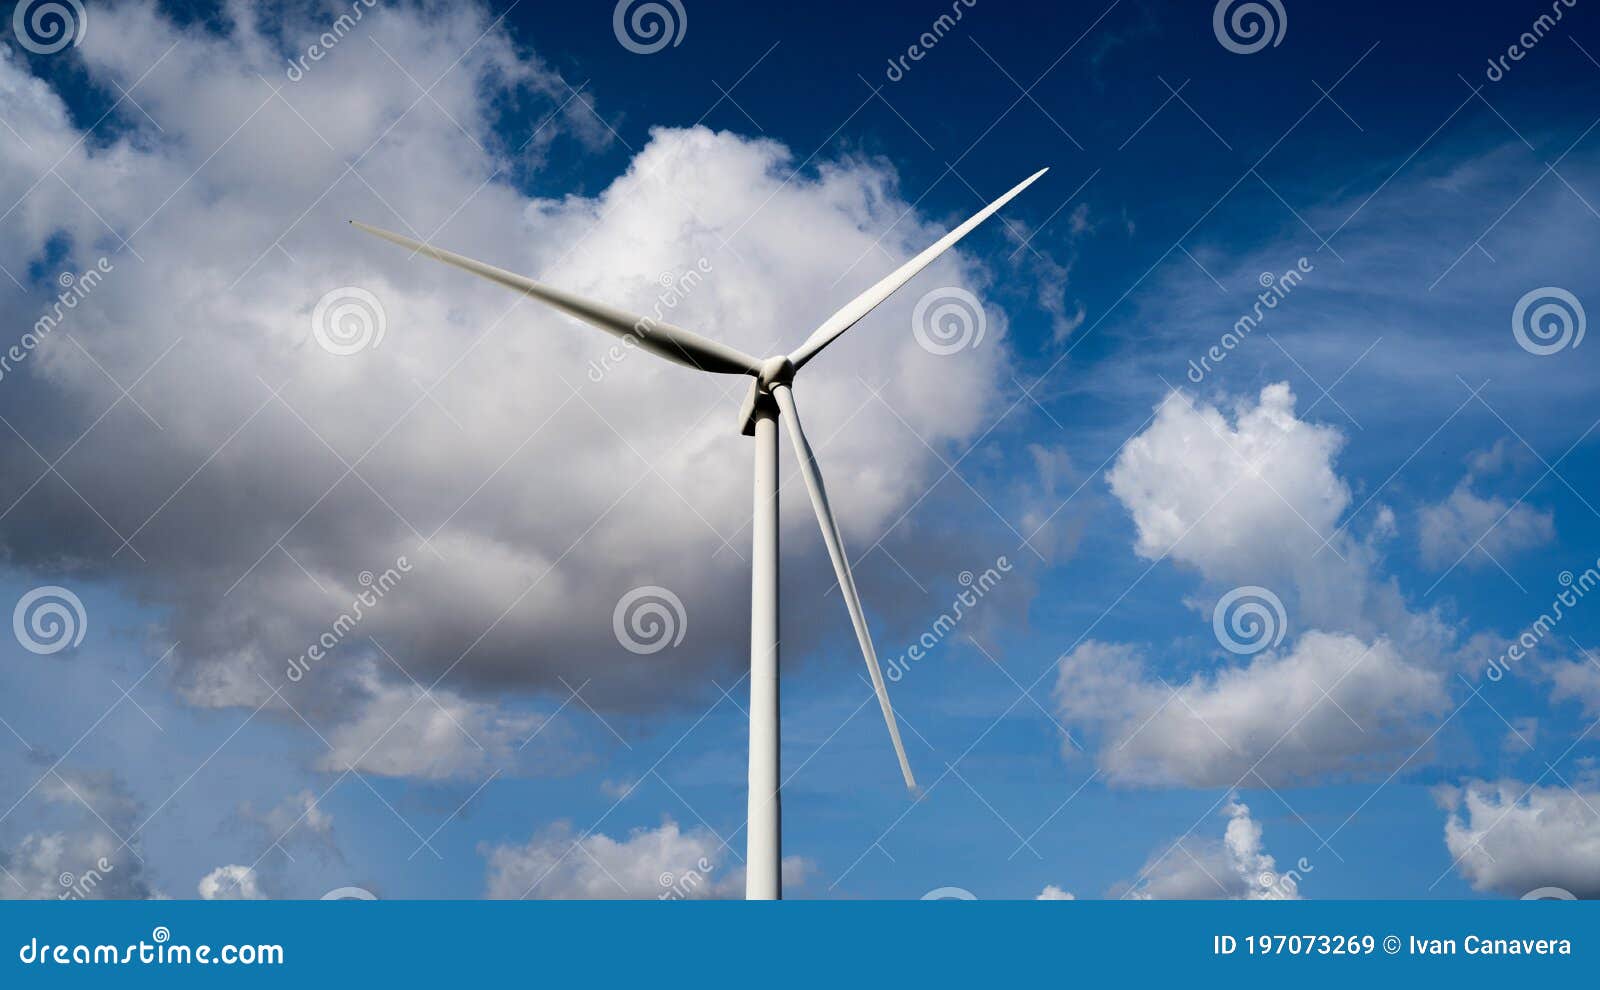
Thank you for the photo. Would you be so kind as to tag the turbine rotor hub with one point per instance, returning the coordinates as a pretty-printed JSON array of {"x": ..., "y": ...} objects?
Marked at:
[{"x": 776, "y": 371}]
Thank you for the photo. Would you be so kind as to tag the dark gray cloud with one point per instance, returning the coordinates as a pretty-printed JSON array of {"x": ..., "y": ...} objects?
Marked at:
[{"x": 512, "y": 478}]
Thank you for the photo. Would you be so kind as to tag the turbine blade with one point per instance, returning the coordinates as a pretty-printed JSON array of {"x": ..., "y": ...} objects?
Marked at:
[
  {"x": 841, "y": 566},
  {"x": 662, "y": 339},
  {"x": 865, "y": 303}
]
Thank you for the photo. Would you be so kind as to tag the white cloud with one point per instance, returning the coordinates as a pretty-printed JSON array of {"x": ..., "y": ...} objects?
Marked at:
[
  {"x": 1578, "y": 681},
  {"x": 1236, "y": 868},
  {"x": 1250, "y": 500},
  {"x": 474, "y": 424},
  {"x": 1240, "y": 501},
  {"x": 1053, "y": 893},
  {"x": 1499, "y": 456},
  {"x": 1268, "y": 716},
  {"x": 664, "y": 862},
  {"x": 230, "y": 883},
  {"x": 85, "y": 858},
  {"x": 1511, "y": 839},
  {"x": 296, "y": 812},
  {"x": 1253, "y": 500},
  {"x": 1464, "y": 524},
  {"x": 87, "y": 864},
  {"x": 404, "y": 731}
]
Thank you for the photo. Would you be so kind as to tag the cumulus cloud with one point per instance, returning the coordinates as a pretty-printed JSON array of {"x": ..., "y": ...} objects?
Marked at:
[
  {"x": 1330, "y": 704},
  {"x": 1345, "y": 679},
  {"x": 1237, "y": 868},
  {"x": 1233, "y": 500},
  {"x": 406, "y": 731},
  {"x": 665, "y": 862},
  {"x": 85, "y": 858},
  {"x": 230, "y": 883},
  {"x": 1511, "y": 838},
  {"x": 1471, "y": 529},
  {"x": 1053, "y": 893},
  {"x": 254, "y": 475},
  {"x": 297, "y": 811},
  {"x": 286, "y": 846},
  {"x": 1577, "y": 681},
  {"x": 86, "y": 864},
  {"x": 1255, "y": 499}
]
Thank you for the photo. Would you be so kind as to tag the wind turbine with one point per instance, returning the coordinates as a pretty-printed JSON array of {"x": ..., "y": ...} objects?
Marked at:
[{"x": 769, "y": 398}]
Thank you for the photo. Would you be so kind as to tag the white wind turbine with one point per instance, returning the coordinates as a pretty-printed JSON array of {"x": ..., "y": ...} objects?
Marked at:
[{"x": 768, "y": 398}]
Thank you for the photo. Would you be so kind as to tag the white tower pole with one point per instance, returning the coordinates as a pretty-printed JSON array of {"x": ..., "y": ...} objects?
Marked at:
[
  {"x": 759, "y": 418},
  {"x": 764, "y": 842}
]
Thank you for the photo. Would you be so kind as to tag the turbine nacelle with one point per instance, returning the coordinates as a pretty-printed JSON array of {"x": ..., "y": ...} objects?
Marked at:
[
  {"x": 774, "y": 371},
  {"x": 777, "y": 370}
]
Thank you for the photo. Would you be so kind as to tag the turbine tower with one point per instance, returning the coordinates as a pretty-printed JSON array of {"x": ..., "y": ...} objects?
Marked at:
[{"x": 769, "y": 399}]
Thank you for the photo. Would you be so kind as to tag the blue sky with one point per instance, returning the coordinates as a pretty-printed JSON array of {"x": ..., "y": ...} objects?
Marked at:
[{"x": 1377, "y": 453}]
